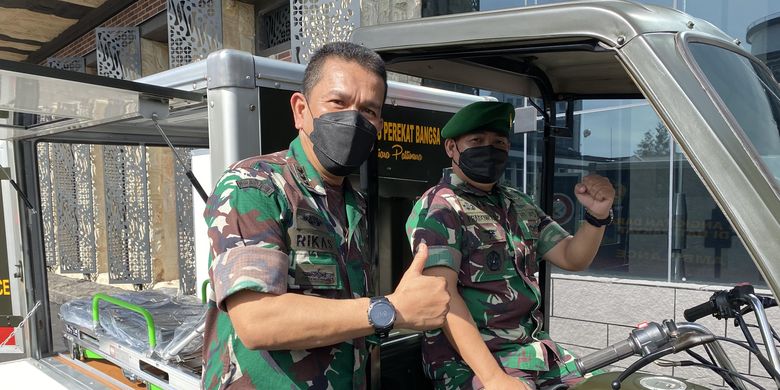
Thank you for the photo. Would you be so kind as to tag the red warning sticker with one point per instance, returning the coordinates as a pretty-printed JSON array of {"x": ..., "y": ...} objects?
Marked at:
[{"x": 5, "y": 331}]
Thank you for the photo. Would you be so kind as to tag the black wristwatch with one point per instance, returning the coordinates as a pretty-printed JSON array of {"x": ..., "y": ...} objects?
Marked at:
[
  {"x": 599, "y": 222},
  {"x": 381, "y": 315}
]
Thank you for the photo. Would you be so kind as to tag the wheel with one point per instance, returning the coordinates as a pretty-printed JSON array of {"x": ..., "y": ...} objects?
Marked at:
[{"x": 75, "y": 350}]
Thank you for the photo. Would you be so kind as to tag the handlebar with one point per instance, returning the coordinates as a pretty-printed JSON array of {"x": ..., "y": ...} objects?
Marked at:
[
  {"x": 606, "y": 356},
  {"x": 644, "y": 339},
  {"x": 700, "y": 311},
  {"x": 651, "y": 340},
  {"x": 726, "y": 304}
]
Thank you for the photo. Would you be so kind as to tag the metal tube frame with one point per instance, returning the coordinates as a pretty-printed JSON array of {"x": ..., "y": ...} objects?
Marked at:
[
  {"x": 178, "y": 347},
  {"x": 717, "y": 350},
  {"x": 34, "y": 265},
  {"x": 766, "y": 332}
]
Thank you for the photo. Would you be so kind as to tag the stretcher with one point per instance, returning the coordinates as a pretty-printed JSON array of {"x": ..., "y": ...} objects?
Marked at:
[{"x": 152, "y": 336}]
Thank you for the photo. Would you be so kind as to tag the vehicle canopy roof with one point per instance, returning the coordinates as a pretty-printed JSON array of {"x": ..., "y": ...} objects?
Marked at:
[{"x": 489, "y": 49}]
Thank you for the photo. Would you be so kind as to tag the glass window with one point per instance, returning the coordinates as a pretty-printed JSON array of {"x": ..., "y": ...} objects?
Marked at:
[
  {"x": 733, "y": 17},
  {"x": 447, "y": 7},
  {"x": 705, "y": 249},
  {"x": 631, "y": 148},
  {"x": 750, "y": 94},
  {"x": 489, "y": 5},
  {"x": 667, "y": 227}
]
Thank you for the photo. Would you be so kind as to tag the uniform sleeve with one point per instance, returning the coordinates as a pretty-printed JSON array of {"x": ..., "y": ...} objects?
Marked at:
[
  {"x": 437, "y": 225},
  {"x": 248, "y": 245},
  {"x": 550, "y": 234}
]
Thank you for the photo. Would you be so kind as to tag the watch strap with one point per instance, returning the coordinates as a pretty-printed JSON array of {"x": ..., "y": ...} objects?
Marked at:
[{"x": 599, "y": 222}]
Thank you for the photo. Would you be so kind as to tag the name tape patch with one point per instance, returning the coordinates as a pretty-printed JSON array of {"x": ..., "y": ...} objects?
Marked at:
[{"x": 316, "y": 275}]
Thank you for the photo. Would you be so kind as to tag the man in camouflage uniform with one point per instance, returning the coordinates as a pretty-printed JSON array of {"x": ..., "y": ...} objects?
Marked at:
[
  {"x": 487, "y": 240},
  {"x": 288, "y": 264}
]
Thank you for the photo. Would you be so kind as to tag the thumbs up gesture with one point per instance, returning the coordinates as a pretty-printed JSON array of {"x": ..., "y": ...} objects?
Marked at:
[{"x": 421, "y": 302}]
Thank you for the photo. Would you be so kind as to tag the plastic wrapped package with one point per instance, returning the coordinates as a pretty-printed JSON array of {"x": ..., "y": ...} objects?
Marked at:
[
  {"x": 182, "y": 333},
  {"x": 174, "y": 318}
]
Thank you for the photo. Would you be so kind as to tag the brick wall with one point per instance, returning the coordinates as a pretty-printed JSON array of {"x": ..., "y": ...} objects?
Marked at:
[
  {"x": 135, "y": 14},
  {"x": 283, "y": 56}
]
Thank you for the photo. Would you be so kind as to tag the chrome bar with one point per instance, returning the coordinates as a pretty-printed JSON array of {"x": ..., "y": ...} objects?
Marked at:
[
  {"x": 717, "y": 350},
  {"x": 175, "y": 349},
  {"x": 766, "y": 333}
]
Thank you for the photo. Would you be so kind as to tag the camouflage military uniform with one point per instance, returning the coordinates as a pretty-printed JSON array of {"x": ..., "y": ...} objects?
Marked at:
[
  {"x": 494, "y": 242},
  {"x": 274, "y": 229}
]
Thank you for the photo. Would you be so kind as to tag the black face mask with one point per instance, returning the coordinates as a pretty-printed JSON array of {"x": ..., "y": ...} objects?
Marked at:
[
  {"x": 342, "y": 141},
  {"x": 483, "y": 164}
]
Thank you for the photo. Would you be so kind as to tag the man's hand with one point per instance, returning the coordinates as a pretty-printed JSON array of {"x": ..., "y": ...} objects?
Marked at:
[
  {"x": 596, "y": 194},
  {"x": 504, "y": 381},
  {"x": 421, "y": 302}
]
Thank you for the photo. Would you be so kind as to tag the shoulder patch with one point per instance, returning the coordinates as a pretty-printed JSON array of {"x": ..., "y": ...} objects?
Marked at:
[{"x": 266, "y": 186}]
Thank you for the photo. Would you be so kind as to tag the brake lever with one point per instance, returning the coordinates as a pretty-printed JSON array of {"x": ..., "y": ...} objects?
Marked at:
[{"x": 767, "y": 302}]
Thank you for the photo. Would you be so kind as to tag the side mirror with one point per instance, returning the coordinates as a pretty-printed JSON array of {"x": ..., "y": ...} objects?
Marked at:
[{"x": 525, "y": 120}]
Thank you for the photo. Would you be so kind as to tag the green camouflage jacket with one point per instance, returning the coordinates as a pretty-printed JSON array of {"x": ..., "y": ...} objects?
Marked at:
[
  {"x": 271, "y": 231},
  {"x": 494, "y": 241}
]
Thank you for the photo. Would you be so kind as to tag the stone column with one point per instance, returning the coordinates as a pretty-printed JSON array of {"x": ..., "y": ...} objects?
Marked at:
[
  {"x": 238, "y": 26},
  {"x": 154, "y": 57},
  {"x": 373, "y": 12},
  {"x": 162, "y": 206}
]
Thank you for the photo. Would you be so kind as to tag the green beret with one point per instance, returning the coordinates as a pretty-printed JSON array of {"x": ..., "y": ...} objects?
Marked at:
[{"x": 495, "y": 116}]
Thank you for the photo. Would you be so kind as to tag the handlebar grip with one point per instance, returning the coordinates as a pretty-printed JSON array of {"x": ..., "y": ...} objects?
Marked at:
[
  {"x": 700, "y": 311},
  {"x": 604, "y": 357}
]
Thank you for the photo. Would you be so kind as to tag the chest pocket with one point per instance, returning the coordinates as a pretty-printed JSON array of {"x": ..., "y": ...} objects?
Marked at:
[
  {"x": 314, "y": 251},
  {"x": 527, "y": 219},
  {"x": 485, "y": 245},
  {"x": 527, "y": 239}
]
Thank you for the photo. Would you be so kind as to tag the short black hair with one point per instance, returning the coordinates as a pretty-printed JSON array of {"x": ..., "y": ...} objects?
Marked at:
[{"x": 347, "y": 51}]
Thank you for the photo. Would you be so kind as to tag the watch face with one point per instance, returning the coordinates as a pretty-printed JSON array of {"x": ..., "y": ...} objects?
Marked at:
[{"x": 382, "y": 315}]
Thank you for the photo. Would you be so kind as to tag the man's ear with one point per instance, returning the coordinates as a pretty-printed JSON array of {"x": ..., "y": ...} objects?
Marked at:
[
  {"x": 299, "y": 107},
  {"x": 449, "y": 147}
]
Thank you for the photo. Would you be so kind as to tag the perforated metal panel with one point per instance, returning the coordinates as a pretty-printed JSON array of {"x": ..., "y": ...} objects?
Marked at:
[
  {"x": 64, "y": 190},
  {"x": 118, "y": 52},
  {"x": 277, "y": 25},
  {"x": 74, "y": 64},
  {"x": 84, "y": 164},
  {"x": 127, "y": 214},
  {"x": 67, "y": 204},
  {"x": 47, "y": 216},
  {"x": 317, "y": 22},
  {"x": 194, "y": 30},
  {"x": 186, "y": 234}
]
